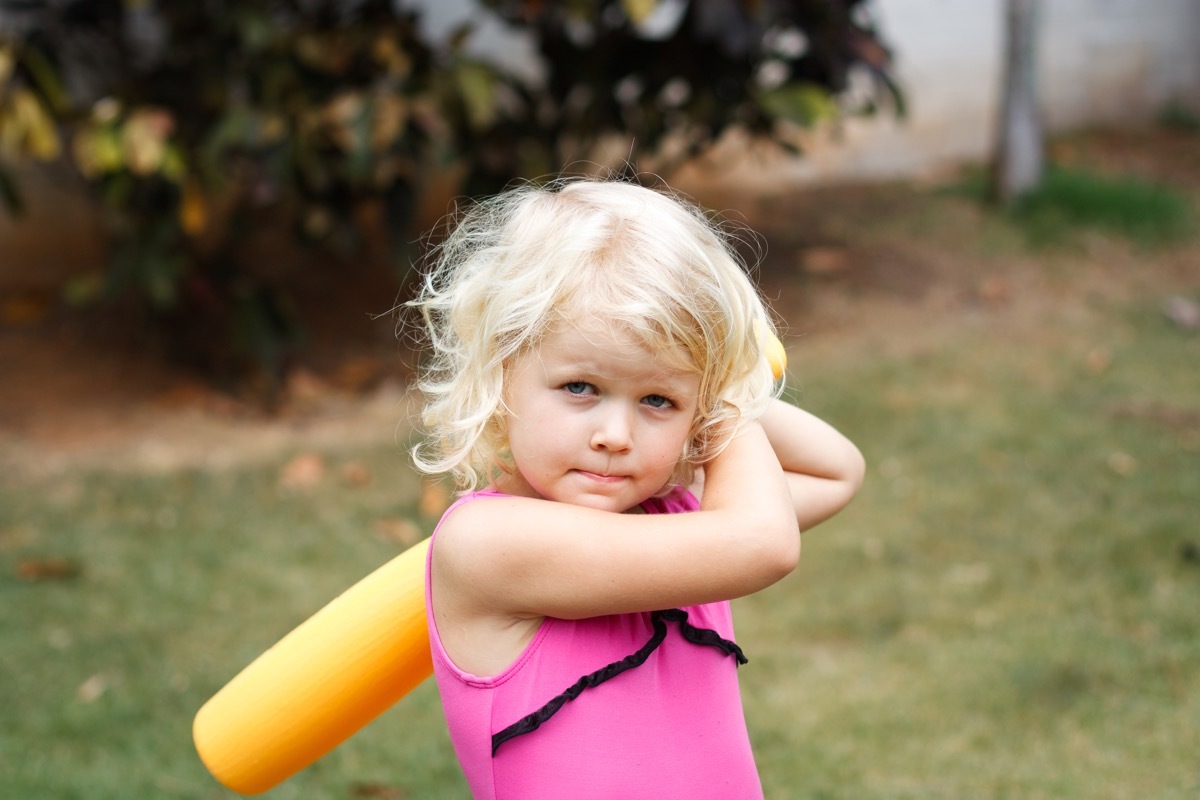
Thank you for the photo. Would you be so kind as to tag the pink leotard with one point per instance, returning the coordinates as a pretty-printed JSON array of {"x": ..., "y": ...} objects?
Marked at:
[{"x": 622, "y": 706}]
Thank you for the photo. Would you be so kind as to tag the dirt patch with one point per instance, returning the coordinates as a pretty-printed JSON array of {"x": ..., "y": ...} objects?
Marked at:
[{"x": 849, "y": 269}]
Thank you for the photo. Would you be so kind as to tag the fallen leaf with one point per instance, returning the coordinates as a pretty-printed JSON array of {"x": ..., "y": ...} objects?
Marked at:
[
  {"x": 190, "y": 395},
  {"x": 995, "y": 290},
  {"x": 398, "y": 529},
  {"x": 23, "y": 310},
  {"x": 873, "y": 548},
  {"x": 1183, "y": 312},
  {"x": 378, "y": 791},
  {"x": 183, "y": 394},
  {"x": 435, "y": 499},
  {"x": 93, "y": 688},
  {"x": 969, "y": 574},
  {"x": 356, "y": 474},
  {"x": 1098, "y": 360},
  {"x": 1180, "y": 419},
  {"x": 1123, "y": 464},
  {"x": 303, "y": 472},
  {"x": 359, "y": 375},
  {"x": 824, "y": 260},
  {"x": 48, "y": 569},
  {"x": 306, "y": 387}
]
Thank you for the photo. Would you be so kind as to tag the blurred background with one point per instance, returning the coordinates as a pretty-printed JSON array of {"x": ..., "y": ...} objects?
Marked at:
[{"x": 977, "y": 226}]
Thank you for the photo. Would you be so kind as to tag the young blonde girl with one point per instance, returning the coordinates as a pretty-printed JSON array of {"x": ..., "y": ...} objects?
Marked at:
[{"x": 598, "y": 388}]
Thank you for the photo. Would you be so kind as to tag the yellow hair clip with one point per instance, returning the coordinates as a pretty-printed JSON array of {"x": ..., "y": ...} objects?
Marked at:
[{"x": 772, "y": 348}]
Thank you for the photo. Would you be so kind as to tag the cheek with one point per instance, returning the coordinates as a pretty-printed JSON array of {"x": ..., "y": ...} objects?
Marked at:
[
  {"x": 671, "y": 447},
  {"x": 534, "y": 446}
]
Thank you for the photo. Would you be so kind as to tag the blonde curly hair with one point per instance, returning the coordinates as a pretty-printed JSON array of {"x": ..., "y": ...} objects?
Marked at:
[{"x": 642, "y": 260}]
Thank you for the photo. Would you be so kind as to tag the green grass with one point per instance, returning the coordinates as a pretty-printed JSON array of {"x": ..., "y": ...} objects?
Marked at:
[
  {"x": 1071, "y": 202},
  {"x": 1010, "y": 607},
  {"x": 184, "y": 580},
  {"x": 1147, "y": 213},
  {"x": 1008, "y": 610},
  {"x": 1180, "y": 117}
]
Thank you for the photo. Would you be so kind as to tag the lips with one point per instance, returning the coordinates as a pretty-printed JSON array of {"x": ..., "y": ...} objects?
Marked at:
[{"x": 599, "y": 477}]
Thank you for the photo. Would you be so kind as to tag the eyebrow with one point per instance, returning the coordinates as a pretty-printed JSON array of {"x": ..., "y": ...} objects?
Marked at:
[{"x": 570, "y": 361}]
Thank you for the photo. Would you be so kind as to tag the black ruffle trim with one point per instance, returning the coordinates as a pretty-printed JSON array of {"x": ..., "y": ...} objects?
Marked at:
[{"x": 659, "y": 619}]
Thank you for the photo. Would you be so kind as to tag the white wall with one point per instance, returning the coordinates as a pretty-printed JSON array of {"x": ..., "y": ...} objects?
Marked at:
[
  {"x": 1101, "y": 62},
  {"x": 1119, "y": 60}
]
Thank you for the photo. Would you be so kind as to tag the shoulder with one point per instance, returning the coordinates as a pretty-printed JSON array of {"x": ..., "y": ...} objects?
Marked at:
[
  {"x": 488, "y": 540},
  {"x": 469, "y": 523},
  {"x": 467, "y": 587}
]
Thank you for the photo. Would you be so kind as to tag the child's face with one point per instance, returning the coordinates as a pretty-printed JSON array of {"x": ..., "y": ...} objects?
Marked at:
[{"x": 595, "y": 418}]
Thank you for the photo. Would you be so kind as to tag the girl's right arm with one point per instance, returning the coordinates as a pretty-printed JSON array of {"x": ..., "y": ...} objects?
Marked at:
[{"x": 521, "y": 558}]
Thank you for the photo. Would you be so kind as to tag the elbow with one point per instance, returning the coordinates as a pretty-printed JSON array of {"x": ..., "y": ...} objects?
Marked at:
[
  {"x": 860, "y": 470},
  {"x": 780, "y": 552},
  {"x": 854, "y": 472},
  {"x": 852, "y": 479},
  {"x": 785, "y": 560},
  {"x": 781, "y": 563}
]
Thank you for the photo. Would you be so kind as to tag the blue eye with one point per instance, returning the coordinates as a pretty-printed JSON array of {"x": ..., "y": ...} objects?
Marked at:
[
  {"x": 577, "y": 387},
  {"x": 657, "y": 401}
]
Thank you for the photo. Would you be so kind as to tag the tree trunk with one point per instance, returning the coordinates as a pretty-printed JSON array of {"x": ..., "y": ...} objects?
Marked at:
[{"x": 1020, "y": 158}]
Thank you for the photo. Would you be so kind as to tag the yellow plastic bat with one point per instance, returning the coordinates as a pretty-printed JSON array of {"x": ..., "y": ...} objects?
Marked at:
[{"x": 325, "y": 680}]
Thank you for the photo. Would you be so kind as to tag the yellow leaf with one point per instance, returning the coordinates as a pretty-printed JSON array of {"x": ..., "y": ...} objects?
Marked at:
[
  {"x": 144, "y": 139},
  {"x": 804, "y": 104},
  {"x": 106, "y": 110},
  {"x": 341, "y": 117},
  {"x": 10, "y": 133},
  {"x": 37, "y": 134},
  {"x": 7, "y": 62},
  {"x": 97, "y": 151},
  {"x": 389, "y": 115},
  {"x": 273, "y": 128},
  {"x": 173, "y": 167},
  {"x": 639, "y": 10},
  {"x": 83, "y": 289},
  {"x": 193, "y": 210},
  {"x": 477, "y": 85},
  {"x": 388, "y": 53}
]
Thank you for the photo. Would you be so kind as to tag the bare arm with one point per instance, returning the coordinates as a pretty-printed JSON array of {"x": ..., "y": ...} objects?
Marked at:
[
  {"x": 823, "y": 468},
  {"x": 519, "y": 557}
]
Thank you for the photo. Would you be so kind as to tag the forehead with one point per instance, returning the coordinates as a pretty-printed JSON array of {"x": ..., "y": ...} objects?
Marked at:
[{"x": 593, "y": 348}]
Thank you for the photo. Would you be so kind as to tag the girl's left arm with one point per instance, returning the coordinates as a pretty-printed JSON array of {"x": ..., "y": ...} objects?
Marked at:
[{"x": 823, "y": 468}]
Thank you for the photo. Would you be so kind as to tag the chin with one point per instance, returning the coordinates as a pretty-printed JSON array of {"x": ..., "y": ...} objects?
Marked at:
[{"x": 610, "y": 504}]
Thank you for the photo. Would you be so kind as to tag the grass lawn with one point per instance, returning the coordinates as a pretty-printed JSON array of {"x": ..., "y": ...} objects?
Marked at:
[{"x": 1010, "y": 609}]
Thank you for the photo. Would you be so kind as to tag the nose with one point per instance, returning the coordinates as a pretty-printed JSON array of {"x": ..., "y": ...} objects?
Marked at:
[{"x": 613, "y": 431}]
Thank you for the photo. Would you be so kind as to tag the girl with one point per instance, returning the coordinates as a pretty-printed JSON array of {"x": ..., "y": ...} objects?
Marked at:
[{"x": 599, "y": 391}]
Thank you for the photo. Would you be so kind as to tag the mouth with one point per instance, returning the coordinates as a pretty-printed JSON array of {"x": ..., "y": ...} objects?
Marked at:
[{"x": 600, "y": 477}]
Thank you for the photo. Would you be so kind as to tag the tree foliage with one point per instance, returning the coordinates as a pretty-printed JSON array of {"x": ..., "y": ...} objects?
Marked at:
[{"x": 198, "y": 125}]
